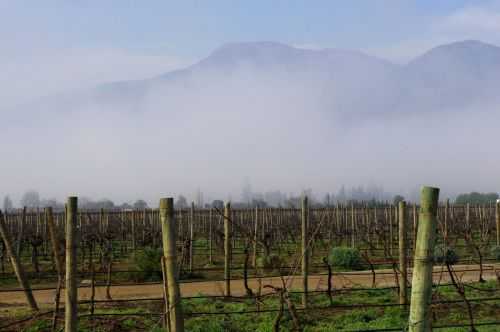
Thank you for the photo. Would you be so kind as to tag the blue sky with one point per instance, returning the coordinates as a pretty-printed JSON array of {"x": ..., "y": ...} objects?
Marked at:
[
  {"x": 194, "y": 28},
  {"x": 113, "y": 40}
]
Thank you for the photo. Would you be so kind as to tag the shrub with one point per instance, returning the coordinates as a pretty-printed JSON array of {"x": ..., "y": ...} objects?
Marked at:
[
  {"x": 271, "y": 261},
  {"x": 444, "y": 255},
  {"x": 495, "y": 252},
  {"x": 148, "y": 264},
  {"x": 344, "y": 257}
]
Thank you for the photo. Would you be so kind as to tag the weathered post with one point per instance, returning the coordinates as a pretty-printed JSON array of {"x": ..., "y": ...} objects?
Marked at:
[
  {"x": 227, "y": 249},
  {"x": 16, "y": 264},
  {"x": 135, "y": 219},
  {"x": 305, "y": 251},
  {"x": 467, "y": 216},
  {"x": 415, "y": 226},
  {"x": 446, "y": 216},
  {"x": 403, "y": 254},
  {"x": 497, "y": 217},
  {"x": 169, "y": 253},
  {"x": 255, "y": 237},
  {"x": 191, "y": 238},
  {"x": 210, "y": 236},
  {"x": 391, "y": 226},
  {"x": 353, "y": 223},
  {"x": 421, "y": 292},
  {"x": 71, "y": 293}
]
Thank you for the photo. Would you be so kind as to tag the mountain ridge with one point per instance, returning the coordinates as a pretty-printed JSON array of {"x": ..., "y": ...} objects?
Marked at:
[{"x": 453, "y": 75}]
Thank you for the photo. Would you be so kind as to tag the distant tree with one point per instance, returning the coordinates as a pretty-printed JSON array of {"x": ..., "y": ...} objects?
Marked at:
[
  {"x": 476, "y": 198},
  {"x": 199, "y": 198},
  {"x": 181, "y": 202},
  {"x": 341, "y": 195},
  {"x": 7, "y": 204},
  {"x": 274, "y": 198},
  {"x": 293, "y": 202},
  {"x": 258, "y": 203},
  {"x": 218, "y": 204},
  {"x": 327, "y": 200},
  {"x": 105, "y": 204},
  {"x": 31, "y": 199},
  {"x": 397, "y": 199},
  {"x": 246, "y": 192},
  {"x": 53, "y": 203},
  {"x": 126, "y": 206},
  {"x": 140, "y": 204}
]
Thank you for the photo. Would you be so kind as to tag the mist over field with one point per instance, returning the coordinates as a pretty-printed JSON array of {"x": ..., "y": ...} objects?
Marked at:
[{"x": 278, "y": 117}]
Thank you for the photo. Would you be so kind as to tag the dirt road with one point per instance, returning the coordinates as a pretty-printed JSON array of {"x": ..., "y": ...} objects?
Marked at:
[{"x": 384, "y": 278}]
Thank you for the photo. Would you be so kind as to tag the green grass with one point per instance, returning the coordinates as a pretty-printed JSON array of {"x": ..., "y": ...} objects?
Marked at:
[{"x": 319, "y": 318}]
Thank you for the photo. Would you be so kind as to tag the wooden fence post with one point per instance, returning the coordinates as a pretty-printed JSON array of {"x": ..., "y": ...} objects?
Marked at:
[
  {"x": 135, "y": 219},
  {"x": 16, "y": 264},
  {"x": 353, "y": 223},
  {"x": 421, "y": 292},
  {"x": 497, "y": 217},
  {"x": 391, "y": 226},
  {"x": 305, "y": 251},
  {"x": 169, "y": 237},
  {"x": 210, "y": 227},
  {"x": 467, "y": 216},
  {"x": 71, "y": 293},
  {"x": 227, "y": 249},
  {"x": 191, "y": 238},
  {"x": 403, "y": 254},
  {"x": 255, "y": 237},
  {"x": 446, "y": 217}
]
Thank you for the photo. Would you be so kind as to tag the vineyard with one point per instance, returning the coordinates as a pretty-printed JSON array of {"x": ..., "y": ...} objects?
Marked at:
[{"x": 345, "y": 267}]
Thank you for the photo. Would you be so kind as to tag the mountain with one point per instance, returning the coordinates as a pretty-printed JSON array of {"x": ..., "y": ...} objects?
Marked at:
[
  {"x": 338, "y": 82},
  {"x": 456, "y": 75}
]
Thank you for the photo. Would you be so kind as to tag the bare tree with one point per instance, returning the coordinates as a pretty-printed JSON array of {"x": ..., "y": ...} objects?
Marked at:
[
  {"x": 31, "y": 199},
  {"x": 7, "y": 204}
]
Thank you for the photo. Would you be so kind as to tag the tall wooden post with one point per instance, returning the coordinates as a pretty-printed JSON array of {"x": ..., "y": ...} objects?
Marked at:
[
  {"x": 415, "y": 226},
  {"x": 71, "y": 292},
  {"x": 467, "y": 216},
  {"x": 421, "y": 292},
  {"x": 191, "y": 238},
  {"x": 305, "y": 251},
  {"x": 353, "y": 223},
  {"x": 446, "y": 217},
  {"x": 497, "y": 217},
  {"x": 227, "y": 249},
  {"x": 168, "y": 227},
  {"x": 135, "y": 219},
  {"x": 391, "y": 226},
  {"x": 403, "y": 254},
  {"x": 16, "y": 264},
  {"x": 255, "y": 237},
  {"x": 210, "y": 226}
]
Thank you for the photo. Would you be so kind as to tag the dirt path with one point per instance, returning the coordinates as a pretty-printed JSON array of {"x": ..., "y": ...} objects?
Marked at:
[{"x": 384, "y": 278}]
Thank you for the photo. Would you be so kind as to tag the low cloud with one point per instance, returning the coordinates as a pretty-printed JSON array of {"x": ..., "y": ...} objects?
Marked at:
[{"x": 37, "y": 73}]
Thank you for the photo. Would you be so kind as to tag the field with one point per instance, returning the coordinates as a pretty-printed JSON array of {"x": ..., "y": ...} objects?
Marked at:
[{"x": 335, "y": 268}]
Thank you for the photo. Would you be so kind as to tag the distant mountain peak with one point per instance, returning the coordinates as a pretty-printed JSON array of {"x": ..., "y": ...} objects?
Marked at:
[
  {"x": 255, "y": 52},
  {"x": 466, "y": 50}
]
